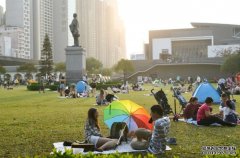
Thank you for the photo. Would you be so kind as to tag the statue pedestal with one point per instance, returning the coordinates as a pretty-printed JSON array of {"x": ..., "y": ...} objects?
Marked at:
[{"x": 75, "y": 64}]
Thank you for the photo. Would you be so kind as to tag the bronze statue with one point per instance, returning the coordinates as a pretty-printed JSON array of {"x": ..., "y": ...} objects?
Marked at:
[{"x": 74, "y": 30}]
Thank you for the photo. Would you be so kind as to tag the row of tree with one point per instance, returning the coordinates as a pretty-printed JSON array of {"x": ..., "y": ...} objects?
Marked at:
[
  {"x": 232, "y": 63},
  {"x": 93, "y": 66}
]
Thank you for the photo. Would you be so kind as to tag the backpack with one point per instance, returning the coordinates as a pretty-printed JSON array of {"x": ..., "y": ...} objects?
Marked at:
[
  {"x": 109, "y": 98},
  {"x": 116, "y": 129},
  {"x": 231, "y": 118}
]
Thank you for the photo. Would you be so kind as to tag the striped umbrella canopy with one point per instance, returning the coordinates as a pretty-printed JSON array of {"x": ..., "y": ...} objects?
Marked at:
[{"x": 134, "y": 115}]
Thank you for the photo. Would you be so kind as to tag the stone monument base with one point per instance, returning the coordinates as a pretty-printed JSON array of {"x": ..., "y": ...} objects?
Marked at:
[{"x": 75, "y": 64}]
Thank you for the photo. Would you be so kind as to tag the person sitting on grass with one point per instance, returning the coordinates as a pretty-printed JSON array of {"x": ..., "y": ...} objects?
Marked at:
[
  {"x": 155, "y": 141},
  {"x": 229, "y": 114},
  {"x": 101, "y": 98},
  {"x": 190, "y": 88},
  {"x": 205, "y": 117},
  {"x": 73, "y": 92},
  {"x": 190, "y": 112},
  {"x": 225, "y": 98},
  {"x": 93, "y": 135},
  {"x": 67, "y": 91}
]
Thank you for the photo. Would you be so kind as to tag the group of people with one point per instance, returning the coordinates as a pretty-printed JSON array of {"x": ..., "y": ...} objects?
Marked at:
[
  {"x": 6, "y": 84},
  {"x": 227, "y": 115},
  {"x": 154, "y": 141},
  {"x": 69, "y": 91},
  {"x": 230, "y": 85},
  {"x": 137, "y": 87}
]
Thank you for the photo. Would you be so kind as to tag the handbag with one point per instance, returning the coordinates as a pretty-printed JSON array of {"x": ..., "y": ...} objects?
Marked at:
[{"x": 86, "y": 146}]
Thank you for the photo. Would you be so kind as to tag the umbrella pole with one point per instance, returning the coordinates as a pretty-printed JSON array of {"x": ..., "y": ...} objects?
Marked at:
[
  {"x": 121, "y": 135},
  {"x": 110, "y": 109}
]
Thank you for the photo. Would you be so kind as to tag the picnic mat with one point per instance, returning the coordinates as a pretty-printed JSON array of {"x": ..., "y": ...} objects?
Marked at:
[
  {"x": 194, "y": 122},
  {"x": 123, "y": 148}
]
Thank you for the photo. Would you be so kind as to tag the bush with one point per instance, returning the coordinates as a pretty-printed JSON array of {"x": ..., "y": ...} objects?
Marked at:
[
  {"x": 53, "y": 87},
  {"x": 114, "y": 82},
  {"x": 69, "y": 154},
  {"x": 33, "y": 87},
  {"x": 108, "y": 84}
]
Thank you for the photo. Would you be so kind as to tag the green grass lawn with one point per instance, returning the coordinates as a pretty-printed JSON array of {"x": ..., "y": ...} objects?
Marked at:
[{"x": 31, "y": 122}]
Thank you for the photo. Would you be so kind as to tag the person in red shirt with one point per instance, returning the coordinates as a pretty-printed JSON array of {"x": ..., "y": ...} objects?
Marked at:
[
  {"x": 191, "y": 109},
  {"x": 205, "y": 117}
]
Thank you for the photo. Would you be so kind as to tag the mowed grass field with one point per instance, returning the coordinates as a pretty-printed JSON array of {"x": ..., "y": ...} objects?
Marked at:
[{"x": 31, "y": 122}]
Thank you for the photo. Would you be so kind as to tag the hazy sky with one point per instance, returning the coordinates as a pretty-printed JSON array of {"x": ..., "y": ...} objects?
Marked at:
[
  {"x": 143, "y": 15},
  {"x": 2, "y": 3}
]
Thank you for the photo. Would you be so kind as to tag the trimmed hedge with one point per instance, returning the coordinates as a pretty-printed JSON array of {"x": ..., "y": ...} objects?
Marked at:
[
  {"x": 53, "y": 87},
  {"x": 35, "y": 87},
  {"x": 108, "y": 84},
  {"x": 69, "y": 154}
]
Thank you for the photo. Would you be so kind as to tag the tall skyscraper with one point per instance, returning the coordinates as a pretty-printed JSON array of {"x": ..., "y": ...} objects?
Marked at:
[
  {"x": 18, "y": 16},
  {"x": 1, "y": 16},
  {"x": 9, "y": 41},
  {"x": 33, "y": 19},
  {"x": 86, "y": 10},
  {"x": 116, "y": 33},
  {"x": 101, "y": 30},
  {"x": 60, "y": 31},
  {"x": 42, "y": 24},
  {"x": 50, "y": 17}
]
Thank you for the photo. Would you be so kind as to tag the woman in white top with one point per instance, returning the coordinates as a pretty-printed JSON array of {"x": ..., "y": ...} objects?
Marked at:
[{"x": 229, "y": 114}]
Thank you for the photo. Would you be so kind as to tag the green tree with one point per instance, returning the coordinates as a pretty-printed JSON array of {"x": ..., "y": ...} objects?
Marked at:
[
  {"x": 46, "y": 61},
  {"x": 232, "y": 63},
  {"x": 93, "y": 65},
  {"x": 2, "y": 70},
  {"x": 60, "y": 67},
  {"x": 124, "y": 66},
  {"x": 28, "y": 68},
  {"x": 106, "y": 72}
]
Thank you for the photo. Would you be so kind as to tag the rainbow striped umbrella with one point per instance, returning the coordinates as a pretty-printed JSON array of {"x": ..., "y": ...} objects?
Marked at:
[{"x": 127, "y": 111}]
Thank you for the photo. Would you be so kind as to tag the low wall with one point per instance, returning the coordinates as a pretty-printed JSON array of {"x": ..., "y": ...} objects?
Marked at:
[{"x": 209, "y": 71}]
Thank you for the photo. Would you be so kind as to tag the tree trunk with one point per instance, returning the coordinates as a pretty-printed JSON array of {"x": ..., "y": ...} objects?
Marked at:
[{"x": 124, "y": 78}]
